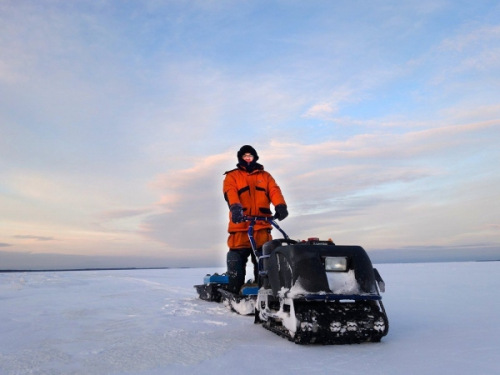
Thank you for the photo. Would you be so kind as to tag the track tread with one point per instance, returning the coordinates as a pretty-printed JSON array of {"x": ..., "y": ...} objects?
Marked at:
[{"x": 355, "y": 323}]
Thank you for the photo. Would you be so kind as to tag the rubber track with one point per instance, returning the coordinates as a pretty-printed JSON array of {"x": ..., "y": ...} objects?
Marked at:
[{"x": 316, "y": 318}]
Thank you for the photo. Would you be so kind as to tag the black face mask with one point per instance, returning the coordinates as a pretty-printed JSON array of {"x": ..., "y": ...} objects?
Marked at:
[{"x": 250, "y": 167}]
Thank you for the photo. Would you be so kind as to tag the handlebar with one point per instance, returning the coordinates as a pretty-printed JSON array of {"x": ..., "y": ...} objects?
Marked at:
[
  {"x": 253, "y": 220},
  {"x": 259, "y": 218}
]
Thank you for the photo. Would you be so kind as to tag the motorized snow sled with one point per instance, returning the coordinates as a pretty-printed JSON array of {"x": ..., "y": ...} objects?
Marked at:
[{"x": 311, "y": 291}]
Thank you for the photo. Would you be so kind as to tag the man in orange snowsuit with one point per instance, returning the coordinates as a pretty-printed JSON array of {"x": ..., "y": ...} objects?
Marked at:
[{"x": 249, "y": 191}]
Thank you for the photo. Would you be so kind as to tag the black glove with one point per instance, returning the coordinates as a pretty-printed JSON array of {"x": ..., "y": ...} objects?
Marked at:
[
  {"x": 281, "y": 212},
  {"x": 236, "y": 213}
]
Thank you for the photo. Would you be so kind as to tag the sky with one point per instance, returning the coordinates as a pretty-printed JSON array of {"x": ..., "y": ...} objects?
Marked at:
[{"x": 380, "y": 121}]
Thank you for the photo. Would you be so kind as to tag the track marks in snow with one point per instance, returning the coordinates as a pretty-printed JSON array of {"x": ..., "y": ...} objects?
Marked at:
[
  {"x": 190, "y": 306},
  {"x": 196, "y": 311}
]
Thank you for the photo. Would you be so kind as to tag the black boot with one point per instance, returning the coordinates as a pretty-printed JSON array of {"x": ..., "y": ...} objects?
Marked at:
[{"x": 236, "y": 265}]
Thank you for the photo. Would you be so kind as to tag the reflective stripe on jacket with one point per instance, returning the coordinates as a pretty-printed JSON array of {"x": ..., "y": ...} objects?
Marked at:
[{"x": 255, "y": 191}]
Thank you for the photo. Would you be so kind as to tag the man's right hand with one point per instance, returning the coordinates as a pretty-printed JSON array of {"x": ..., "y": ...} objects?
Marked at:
[{"x": 236, "y": 213}]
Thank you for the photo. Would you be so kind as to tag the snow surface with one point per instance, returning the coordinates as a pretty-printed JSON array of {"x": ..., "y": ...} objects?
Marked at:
[{"x": 443, "y": 320}]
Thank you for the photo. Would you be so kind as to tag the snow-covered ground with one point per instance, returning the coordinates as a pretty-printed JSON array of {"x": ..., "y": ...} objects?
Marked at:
[{"x": 443, "y": 320}]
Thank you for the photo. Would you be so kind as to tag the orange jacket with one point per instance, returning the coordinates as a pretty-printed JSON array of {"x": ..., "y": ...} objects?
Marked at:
[{"x": 255, "y": 191}]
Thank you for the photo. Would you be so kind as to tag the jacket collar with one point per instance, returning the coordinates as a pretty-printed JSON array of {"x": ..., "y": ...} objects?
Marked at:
[{"x": 250, "y": 168}]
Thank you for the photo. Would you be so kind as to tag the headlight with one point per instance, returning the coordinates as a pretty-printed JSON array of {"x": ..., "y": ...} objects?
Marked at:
[{"x": 336, "y": 264}]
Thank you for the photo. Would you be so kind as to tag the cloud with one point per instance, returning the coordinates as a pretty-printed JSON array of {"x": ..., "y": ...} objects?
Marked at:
[
  {"x": 3, "y": 244},
  {"x": 192, "y": 206},
  {"x": 321, "y": 110},
  {"x": 481, "y": 36},
  {"x": 331, "y": 105},
  {"x": 124, "y": 213},
  {"x": 7, "y": 74},
  {"x": 466, "y": 61},
  {"x": 324, "y": 181},
  {"x": 32, "y": 237}
]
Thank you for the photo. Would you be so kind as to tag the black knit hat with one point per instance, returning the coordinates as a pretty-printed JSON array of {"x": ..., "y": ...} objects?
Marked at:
[{"x": 247, "y": 150}]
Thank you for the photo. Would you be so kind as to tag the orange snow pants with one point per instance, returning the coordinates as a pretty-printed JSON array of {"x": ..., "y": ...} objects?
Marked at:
[{"x": 240, "y": 240}]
